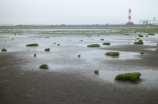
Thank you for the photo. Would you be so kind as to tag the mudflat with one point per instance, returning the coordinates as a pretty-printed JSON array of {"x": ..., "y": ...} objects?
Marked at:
[{"x": 71, "y": 80}]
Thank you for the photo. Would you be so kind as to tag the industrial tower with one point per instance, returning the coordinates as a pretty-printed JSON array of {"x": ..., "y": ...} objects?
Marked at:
[{"x": 129, "y": 18}]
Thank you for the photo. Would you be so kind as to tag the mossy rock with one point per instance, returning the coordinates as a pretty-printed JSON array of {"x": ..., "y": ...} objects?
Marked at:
[
  {"x": 140, "y": 35},
  {"x": 93, "y": 45},
  {"x": 150, "y": 34},
  {"x": 43, "y": 66},
  {"x": 126, "y": 34},
  {"x": 35, "y": 55},
  {"x": 112, "y": 53},
  {"x": 33, "y": 44},
  {"x": 79, "y": 56},
  {"x": 102, "y": 39},
  {"x": 4, "y": 50},
  {"x": 128, "y": 76},
  {"x": 141, "y": 52},
  {"x": 96, "y": 71},
  {"x": 139, "y": 42},
  {"x": 157, "y": 49},
  {"x": 47, "y": 49},
  {"x": 58, "y": 44},
  {"x": 106, "y": 43}
]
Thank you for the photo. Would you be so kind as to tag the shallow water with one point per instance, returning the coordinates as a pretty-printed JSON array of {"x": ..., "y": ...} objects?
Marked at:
[
  {"x": 64, "y": 58},
  {"x": 147, "y": 78}
]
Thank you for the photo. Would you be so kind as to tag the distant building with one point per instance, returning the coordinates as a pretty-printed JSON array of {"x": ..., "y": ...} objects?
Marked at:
[{"x": 152, "y": 22}]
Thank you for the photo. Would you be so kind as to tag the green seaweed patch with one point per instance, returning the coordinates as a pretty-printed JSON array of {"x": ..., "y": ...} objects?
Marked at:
[
  {"x": 79, "y": 56},
  {"x": 157, "y": 49},
  {"x": 33, "y": 44},
  {"x": 140, "y": 35},
  {"x": 47, "y": 49},
  {"x": 106, "y": 43},
  {"x": 112, "y": 53},
  {"x": 128, "y": 76},
  {"x": 126, "y": 34},
  {"x": 96, "y": 71},
  {"x": 35, "y": 55},
  {"x": 43, "y": 66},
  {"x": 150, "y": 34},
  {"x": 139, "y": 42},
  {"x": 4, "y": 50},
  {"x": 141, "y": 52},
  {"x": 93, "y": 45},
  {"x": 102, "y": 39}
]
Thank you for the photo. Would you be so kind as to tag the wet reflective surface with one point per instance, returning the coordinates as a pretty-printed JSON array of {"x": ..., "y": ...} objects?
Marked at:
[
  {"x": 64, "y": 58},
  {"x": 148, "y": 79}
]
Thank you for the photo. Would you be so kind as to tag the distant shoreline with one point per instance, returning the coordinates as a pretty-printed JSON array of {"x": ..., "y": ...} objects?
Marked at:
[{"x": 79, "y": 27}]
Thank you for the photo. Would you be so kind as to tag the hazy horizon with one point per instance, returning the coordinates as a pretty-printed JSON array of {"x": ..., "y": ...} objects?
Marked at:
[{"x": 14, "y": 12}]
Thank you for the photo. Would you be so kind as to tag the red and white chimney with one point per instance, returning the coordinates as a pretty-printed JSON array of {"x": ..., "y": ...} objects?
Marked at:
[{"x": 129, "y": 16}]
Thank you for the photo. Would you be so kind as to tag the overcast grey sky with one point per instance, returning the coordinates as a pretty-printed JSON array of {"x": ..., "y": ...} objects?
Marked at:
[{"x": 75, "y": 11}]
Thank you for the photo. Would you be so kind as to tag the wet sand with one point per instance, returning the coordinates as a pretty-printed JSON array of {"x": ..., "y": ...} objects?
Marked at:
[
  {"x": 42, "y": 87},
  {"x": 23, "y": 83}
]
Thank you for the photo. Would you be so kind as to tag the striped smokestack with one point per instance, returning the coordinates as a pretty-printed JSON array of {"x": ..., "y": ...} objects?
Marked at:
[{"x": 129, "y": 16}]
